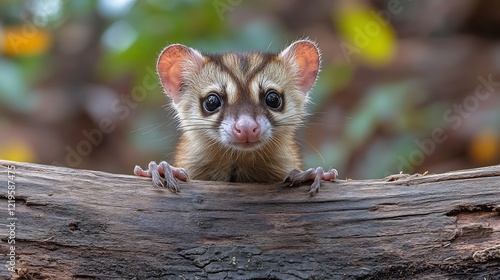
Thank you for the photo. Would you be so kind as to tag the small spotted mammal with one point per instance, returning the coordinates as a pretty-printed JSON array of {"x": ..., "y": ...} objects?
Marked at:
[{"x": 238, "y": 115}]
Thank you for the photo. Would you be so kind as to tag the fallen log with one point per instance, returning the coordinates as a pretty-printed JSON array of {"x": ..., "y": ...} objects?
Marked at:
[{"x": 80, "y": 224}]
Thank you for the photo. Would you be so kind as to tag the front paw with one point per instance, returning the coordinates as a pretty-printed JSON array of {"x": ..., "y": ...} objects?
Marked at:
[
  {"x": 297, "y": 177},
  {"x": 163, "y": 175}
]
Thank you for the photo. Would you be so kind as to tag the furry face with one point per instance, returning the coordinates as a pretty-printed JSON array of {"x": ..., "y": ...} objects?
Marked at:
[{"x": 241, "y": 108}]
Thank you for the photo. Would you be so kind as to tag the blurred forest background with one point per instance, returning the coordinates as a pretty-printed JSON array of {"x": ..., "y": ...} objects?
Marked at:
[{"x": 405, "y": 85}]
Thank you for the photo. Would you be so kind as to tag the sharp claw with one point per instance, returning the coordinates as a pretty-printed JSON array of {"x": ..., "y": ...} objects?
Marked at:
[
  {"x": 171, "y": 183},
  {"x": 138, "y": 170},
  {"x": 172, "y": 188},
  {"x": 317, "y": 181},
  {"x": 297, "y": 177},
  {"x": 158, "y": 181},
  {"x": 180, "y": 174},
  {"x": 163, "y": 175},
  {"x": 156, "y": 178},
  {"x": 331, "y": 175},
  {"x": 335, "y": 171},
  {"x": 290, "y": 176}
]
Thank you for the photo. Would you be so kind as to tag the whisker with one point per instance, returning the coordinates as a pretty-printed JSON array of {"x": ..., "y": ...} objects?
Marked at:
[
  {"x": 146, "y": 127},
  {"x": 329, "y": 118},
  {"x": 154, "y": 128},
  {"x": 203, "y": 120},
  {"x": 164, "y": 138},
  {"x": 197, "y": 129},
  {"x": 316, "y": 150}
]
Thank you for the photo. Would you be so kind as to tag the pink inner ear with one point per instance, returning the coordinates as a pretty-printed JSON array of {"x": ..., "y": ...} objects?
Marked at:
[
  {"x": 306, "y": 56},
  {"x": 172, "y": 63}
]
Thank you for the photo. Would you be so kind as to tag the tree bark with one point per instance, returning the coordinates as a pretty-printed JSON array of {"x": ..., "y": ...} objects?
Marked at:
[{"x": 75, "y": 224}]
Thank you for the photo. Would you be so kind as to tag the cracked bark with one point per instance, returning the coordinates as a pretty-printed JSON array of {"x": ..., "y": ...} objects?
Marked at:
[{"x": 75, "y": 224}]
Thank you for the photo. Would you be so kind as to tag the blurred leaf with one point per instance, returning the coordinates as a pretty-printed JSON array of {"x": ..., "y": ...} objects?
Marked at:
[
  {"x": 157, "y": 24},
  {"x": 403, "y": 147},
  {"x": 114, "y": 9},
  {"x": 154, "y": 131},
  {"x": 379, "y": 160},
  {"x": 331, "y": 153},
  {"x": 23, "y": 40},
  {"x": 78, "y": 9},
  {"x": 14, "y": 86},
  {"x": 384, "y": 104},
  {"x": 119, "y": 36},
  {"x": 365, "y": 34},
  {"x": 17, "y": 151},
  {"x": 485, "y": 147},
  {"x": 331, "y": 79}
]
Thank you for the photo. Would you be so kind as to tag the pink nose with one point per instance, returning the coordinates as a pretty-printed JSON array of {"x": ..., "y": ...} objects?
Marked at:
[{"x": 245, "y": 129}]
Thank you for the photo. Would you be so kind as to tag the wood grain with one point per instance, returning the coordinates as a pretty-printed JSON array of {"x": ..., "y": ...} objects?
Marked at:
[{"x": 76, "y": 224}]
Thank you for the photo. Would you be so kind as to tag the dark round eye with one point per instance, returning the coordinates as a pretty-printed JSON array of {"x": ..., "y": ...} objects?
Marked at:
[
  {"x": 212, "y": 102},
  {"x": 273, "y": 99}
]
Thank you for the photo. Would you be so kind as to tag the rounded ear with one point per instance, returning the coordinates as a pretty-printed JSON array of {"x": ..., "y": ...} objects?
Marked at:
[
  {"x": 174, "y": 62},
  {"x": 305, "y": 56}
]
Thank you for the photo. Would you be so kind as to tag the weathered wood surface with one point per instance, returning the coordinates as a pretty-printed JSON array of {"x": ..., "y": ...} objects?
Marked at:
[{"x": 79, "y": 224}]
